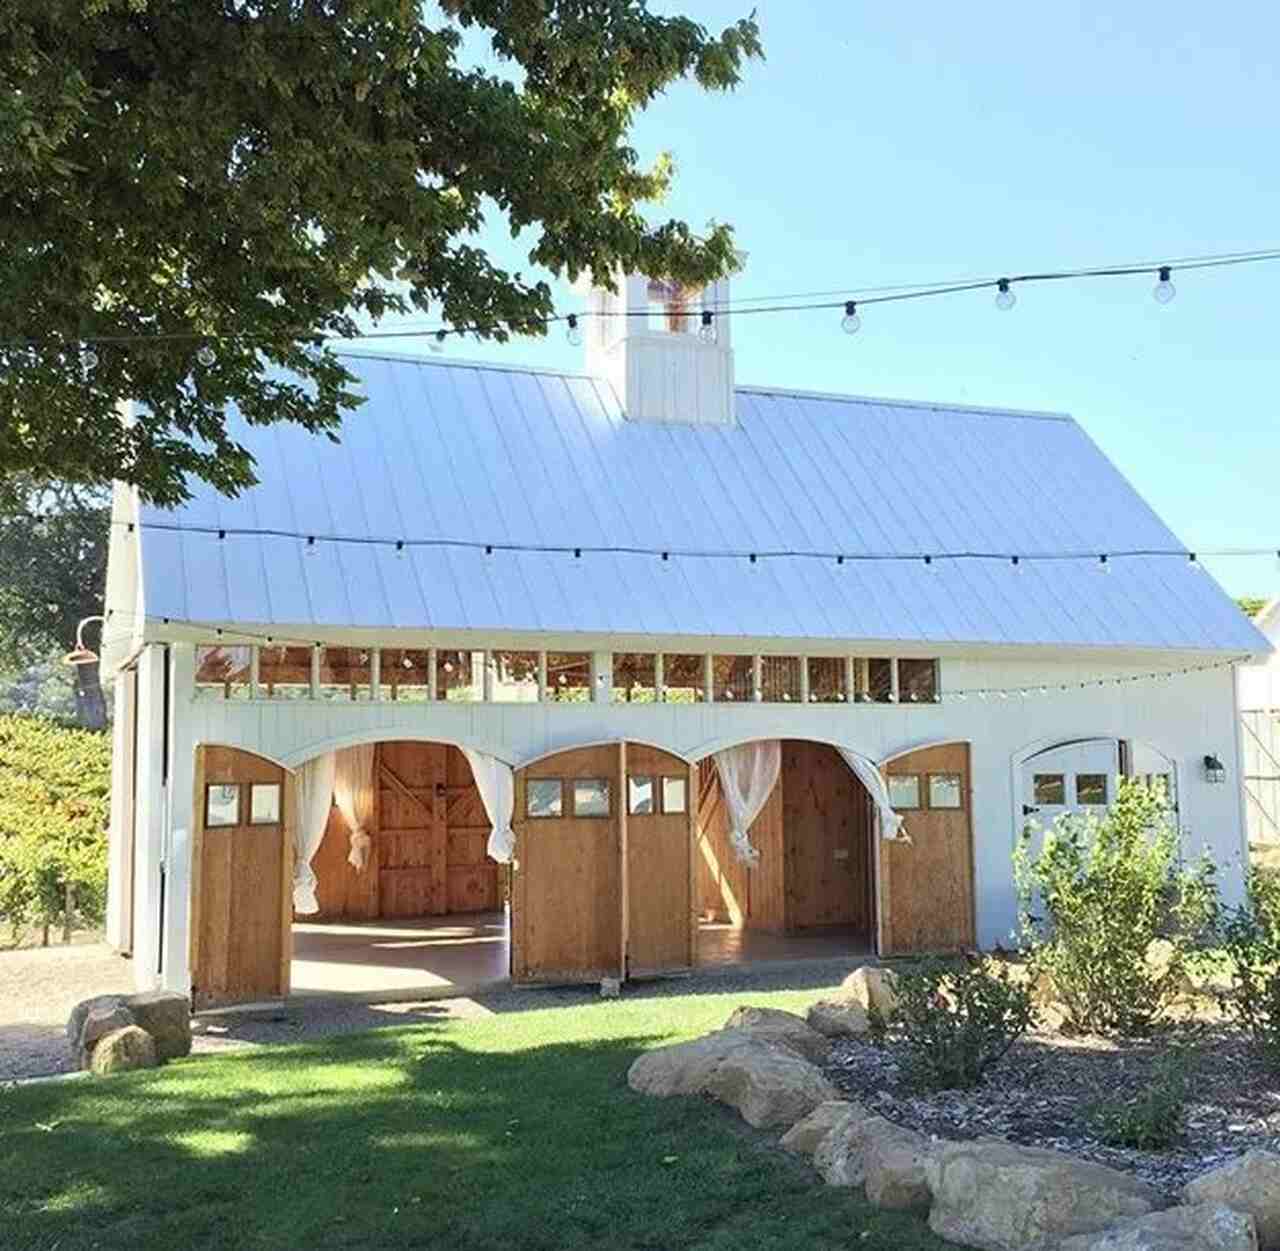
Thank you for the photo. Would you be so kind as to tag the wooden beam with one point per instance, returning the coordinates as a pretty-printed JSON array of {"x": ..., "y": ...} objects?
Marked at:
[
  {"x": 397, "y": 783},
  {"x": 625, "y": 880},
  {"x": 196, "y": 917},
  {"x": 288, "y": 829}
]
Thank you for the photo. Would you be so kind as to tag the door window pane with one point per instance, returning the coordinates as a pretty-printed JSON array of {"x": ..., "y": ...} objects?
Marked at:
[
  {"x": 515, "y": 677},
  {"x": 222, "y": 804},
  {"x": 460, "y": 676},
  {"x": 1050, "y": 788},
  {"x": 544, "y": 797},
  {"x": 640, "y": 797},
  {"x": 591, "y": 797},
  {"x": 917, "y": 681},
  {"x": 285, "y": 672},
  {"x": 904, "y": 790},
  {"x": 732, "y": 676},
  {"x": 1091, "y": 788},
  {"x": 264, "y": 803},
  {"x": 405, "y": 674},
  {"x": 675, "y": 795},
  {"x": 780, "y": 679},
  {"x": 345, "y": 673},
  {"x": 944, "y": 791},
  {"x": 682, "y": 678},
  {"x": 827, "y": 680},
  {"x": 222, "y": 672},
  {"x": 569, "y": 677},
  {"x": 635, "y": 677}
]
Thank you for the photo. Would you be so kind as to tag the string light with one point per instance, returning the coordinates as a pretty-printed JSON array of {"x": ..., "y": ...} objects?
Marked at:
[
  {"x": 88, "y": 358},
  {"x": 851, "y": 323},
  {"x": 573, "y": 334},
  {"x": 708, "y": 331},
  {"x": 207, "y": 356},
  {"x": 1103, "y": 564},
  {"x": 1164, "y": 290},
  {"x": 1005, "y": 298}
]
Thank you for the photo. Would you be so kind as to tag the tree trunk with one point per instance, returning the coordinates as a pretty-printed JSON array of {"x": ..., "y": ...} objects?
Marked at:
[{"x": 91, "y": 704}]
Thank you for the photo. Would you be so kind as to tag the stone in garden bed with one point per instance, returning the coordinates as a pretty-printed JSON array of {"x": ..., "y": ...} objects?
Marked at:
[
  {"x": 846, "y": 1013},
  {"x": 124, "y": 1049},
  {"x": 775, "y": 1025},
  {"x": 1251, "y": 1184},
  {"x": 804, "y": 1136},
  {"x": 1201, "y": 1227}
]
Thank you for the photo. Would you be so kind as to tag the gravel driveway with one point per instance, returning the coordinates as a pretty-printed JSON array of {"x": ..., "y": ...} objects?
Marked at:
[{"x": 39, "y": 987}]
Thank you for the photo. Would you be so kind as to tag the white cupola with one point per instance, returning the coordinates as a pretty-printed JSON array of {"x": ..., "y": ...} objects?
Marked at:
[{"x": 665, "y": 348}]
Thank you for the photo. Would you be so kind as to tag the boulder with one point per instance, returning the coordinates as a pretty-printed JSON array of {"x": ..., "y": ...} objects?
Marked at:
[
  {"x": 867, "y": 986},
  {"x": 1001, "y": 1197},
  {"x": 1250, "y": 1183},
  {"x": 769, "y": 1084},
  {"x": 684, "y": 1068},
  {"x": 838, "y": 1018},
  {"x": 99, "y": 1022},
  {"x": 894, "y": 1164},
  {"x": 1201, "y": 1227},
  {"x": 774, "y": 1025},
  {"x": 804, "y": 1137},
  {"x": 123, "y": 1049},
  {"x": 75, "y": 1022},
  {"x": 841, "y": 1157},
  {"x": 166, "y": 1016}
]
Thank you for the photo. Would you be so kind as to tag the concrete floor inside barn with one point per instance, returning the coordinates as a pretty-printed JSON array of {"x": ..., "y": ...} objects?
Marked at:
[{"x": 457, "y": 954}]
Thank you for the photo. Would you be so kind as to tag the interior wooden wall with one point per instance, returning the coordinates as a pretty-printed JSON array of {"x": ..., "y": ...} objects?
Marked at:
[
  {"x": 661, "y": 933},
  {"x": 566, "y": 920},
  {"x": 927, "y": 885},
  {"x": 241, "y": 889},
  {"x": 429, "y": 837}
]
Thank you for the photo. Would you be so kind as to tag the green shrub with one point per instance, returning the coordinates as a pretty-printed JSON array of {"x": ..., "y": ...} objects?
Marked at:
[
  {"x": 1154, "y": 1120},
  {"x": 54, "y": 809},
  {"x": 1108, "y": 886},
  {"x": 1251, "y": 939},
  {"x": 953, "y": 1023}
]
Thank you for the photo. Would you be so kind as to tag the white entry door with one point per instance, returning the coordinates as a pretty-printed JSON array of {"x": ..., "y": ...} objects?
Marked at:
[{"x": 1079, "y": 776}]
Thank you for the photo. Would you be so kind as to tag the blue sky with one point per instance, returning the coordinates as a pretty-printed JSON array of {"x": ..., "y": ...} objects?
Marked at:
[{"x": 885, "y": 144}]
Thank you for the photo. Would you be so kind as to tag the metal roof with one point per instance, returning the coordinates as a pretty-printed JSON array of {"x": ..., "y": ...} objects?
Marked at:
[{"x": 496, "y": 455}]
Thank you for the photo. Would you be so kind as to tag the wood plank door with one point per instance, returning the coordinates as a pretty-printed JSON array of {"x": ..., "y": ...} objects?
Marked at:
[
  {"x": 472, "y": 877},
  {"x": 412, "y": 839},
  {"x": 661, "y": 798},
  {"x": 927, "y": 893},
  {"x": 826, "y": 819},
  {"x": 566, "y": 923},
  {"x": 241, "y": 942}
]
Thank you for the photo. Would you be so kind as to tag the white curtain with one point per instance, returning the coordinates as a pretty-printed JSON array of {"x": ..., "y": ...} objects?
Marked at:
[
  {"x": 497, "y": 786},
  {"x": 748, "y": 774},
  {"x": 888, "y": 822},
  {"x": 315, "y": 798},
  {"x": 353, "y": 793}
]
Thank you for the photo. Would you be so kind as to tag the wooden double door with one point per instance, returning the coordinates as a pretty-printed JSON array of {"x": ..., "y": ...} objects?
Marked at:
[{"x": 603, "y": 876}]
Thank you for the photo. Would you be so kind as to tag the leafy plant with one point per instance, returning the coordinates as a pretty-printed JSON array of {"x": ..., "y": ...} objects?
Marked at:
[
  {"x": 1107, "y": 887},
  {"x": 1155, "y": 1119},
  {"x": 1251, "y": 939},
  {"x": 952, "y": 1022}
]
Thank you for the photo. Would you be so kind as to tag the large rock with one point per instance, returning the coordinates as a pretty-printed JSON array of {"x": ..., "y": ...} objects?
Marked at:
[
  {"x": 774, "y": 1025},
  {"x": 75, "y": 1022},
  {"x": 894, "y": 1163},
  {"x": 839, "y": 1018},
  {"x": 1202, "y": 1227},
  {"x": 1250, "y": 1183},
  {"x": 769, "y": 1084},
  {"x": 841, "y": 1157},
  {"x": 804, "y": 1137},
  {"x": 123, "y": 1049},
  {"x": 99, "y": 1022},
  {"x": 1001, "y": 1197},
  {"x": 685, "y": 1068},
  {"x": 166, "y": 1016},
  {"x": 869, "y": 986}
]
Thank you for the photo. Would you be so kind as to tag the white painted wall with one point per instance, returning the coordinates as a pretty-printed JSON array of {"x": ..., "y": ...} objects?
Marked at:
[
  {"x": 1260, "y": 684},
  {"x": 1184, "y": 717}
]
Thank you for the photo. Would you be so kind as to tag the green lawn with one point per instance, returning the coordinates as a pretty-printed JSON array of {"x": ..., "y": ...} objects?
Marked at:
[{"x": 516, "y": 1131}]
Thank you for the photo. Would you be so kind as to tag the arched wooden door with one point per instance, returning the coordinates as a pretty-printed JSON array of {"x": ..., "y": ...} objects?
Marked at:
[
  {"x": 926, "y": 885},
  {"x": 242, "y": 870}
]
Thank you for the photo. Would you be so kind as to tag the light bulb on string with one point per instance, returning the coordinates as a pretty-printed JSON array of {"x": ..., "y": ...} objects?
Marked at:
[
  {"x": 573, "y": 332},
  {"x": 851, "y": 323},
  {"x": 1164, "y": 290},
  {"x": 1104, "y": 565},
  {"x": 88, "y": 358},
  {"x": 708, "y": 331},
  {"x": 1005, "y": 298},
  {"x": 207, "y": 356}
]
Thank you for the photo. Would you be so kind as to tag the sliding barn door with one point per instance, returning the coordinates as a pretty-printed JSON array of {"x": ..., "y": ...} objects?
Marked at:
[
  {"x": 567, "y": 886},
  {"x": 241, "y": 881},
  {"x": 927, "y": 896}
]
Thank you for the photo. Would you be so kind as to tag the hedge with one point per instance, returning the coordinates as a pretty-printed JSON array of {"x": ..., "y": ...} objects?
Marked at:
[{"x": 55, "y": 787}]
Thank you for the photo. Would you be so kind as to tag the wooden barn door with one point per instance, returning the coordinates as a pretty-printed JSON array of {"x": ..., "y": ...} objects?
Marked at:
[
  {"x": 661, "y": 798},
  {"x": 567, "y": 885},
  {"x": 241, "y": 892},
  {"x": 927, "y": 895}
]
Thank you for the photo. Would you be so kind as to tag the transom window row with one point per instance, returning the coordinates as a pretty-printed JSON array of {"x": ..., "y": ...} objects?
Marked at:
[{"x": 516, "y": 677}]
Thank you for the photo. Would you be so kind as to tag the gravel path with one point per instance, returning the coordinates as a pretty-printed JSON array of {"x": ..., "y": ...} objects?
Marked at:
[{"x": 38, "y": 989}]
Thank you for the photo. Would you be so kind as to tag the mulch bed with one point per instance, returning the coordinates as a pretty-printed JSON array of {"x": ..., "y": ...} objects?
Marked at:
[{"x": 1042, "y": 1092}]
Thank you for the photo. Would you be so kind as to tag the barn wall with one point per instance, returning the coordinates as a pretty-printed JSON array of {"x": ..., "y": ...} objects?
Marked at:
[{"x": 1185, "y": 718}]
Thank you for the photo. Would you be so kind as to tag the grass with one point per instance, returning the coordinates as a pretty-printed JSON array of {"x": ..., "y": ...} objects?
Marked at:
[{"x": 515, "y": 1131}]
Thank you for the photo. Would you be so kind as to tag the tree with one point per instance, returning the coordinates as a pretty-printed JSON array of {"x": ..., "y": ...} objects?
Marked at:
[
  {"x": 1251, "y": 605},
  {"x": 251, "y": 177},
  {"x": 53, "y": 564}
]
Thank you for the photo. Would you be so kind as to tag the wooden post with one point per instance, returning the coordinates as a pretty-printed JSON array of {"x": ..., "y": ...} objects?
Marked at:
[
  {"x": 691, "y": 803},
  {"x": 68, "y": 906},
  {"x": 850, "y": 681},
  {"x": 625, "y": 878},
  {"x": 757, "y": 678},
  {"x": 542, "y": 677},
  {"x": 375, "y": 674},
  {"x": 196, "y": 918},
  {"x": 709, "y": 678},
  {"x": 659, "y": 680},
  {"x": 804, "y": 679},
  {"x": 288, "y": 835},
  {"x": 315, "y": 671}
]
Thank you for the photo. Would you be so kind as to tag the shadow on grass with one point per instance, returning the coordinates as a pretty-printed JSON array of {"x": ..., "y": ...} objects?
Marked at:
[{"x": 462, "y": 1139}]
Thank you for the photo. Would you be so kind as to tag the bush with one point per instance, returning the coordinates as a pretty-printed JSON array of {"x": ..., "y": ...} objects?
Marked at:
[
  {"x": 1251, "y": 938},
  {"x": 54, "y": 809},
  {"x": 953, "y": 1023},
  {"x": 1155, "y": 1119},
  {"x": 1109, "y": 886}
]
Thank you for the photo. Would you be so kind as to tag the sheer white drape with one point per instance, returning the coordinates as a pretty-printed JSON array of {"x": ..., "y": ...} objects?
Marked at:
[
  {"x": 353, "y": 793},
  {"x": 748, "y": 774},
  {"x": 888, "y": 822},
  {"x": 314, "y": 782},
  {"x": 497, "y": 786}
]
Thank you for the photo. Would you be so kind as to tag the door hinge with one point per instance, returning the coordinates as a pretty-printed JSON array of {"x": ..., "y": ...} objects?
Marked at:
[{"x": 1028, "y": 810}]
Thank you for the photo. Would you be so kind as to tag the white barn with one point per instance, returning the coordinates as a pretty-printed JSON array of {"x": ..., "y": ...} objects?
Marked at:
[{"x": 706, "y": 658}]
